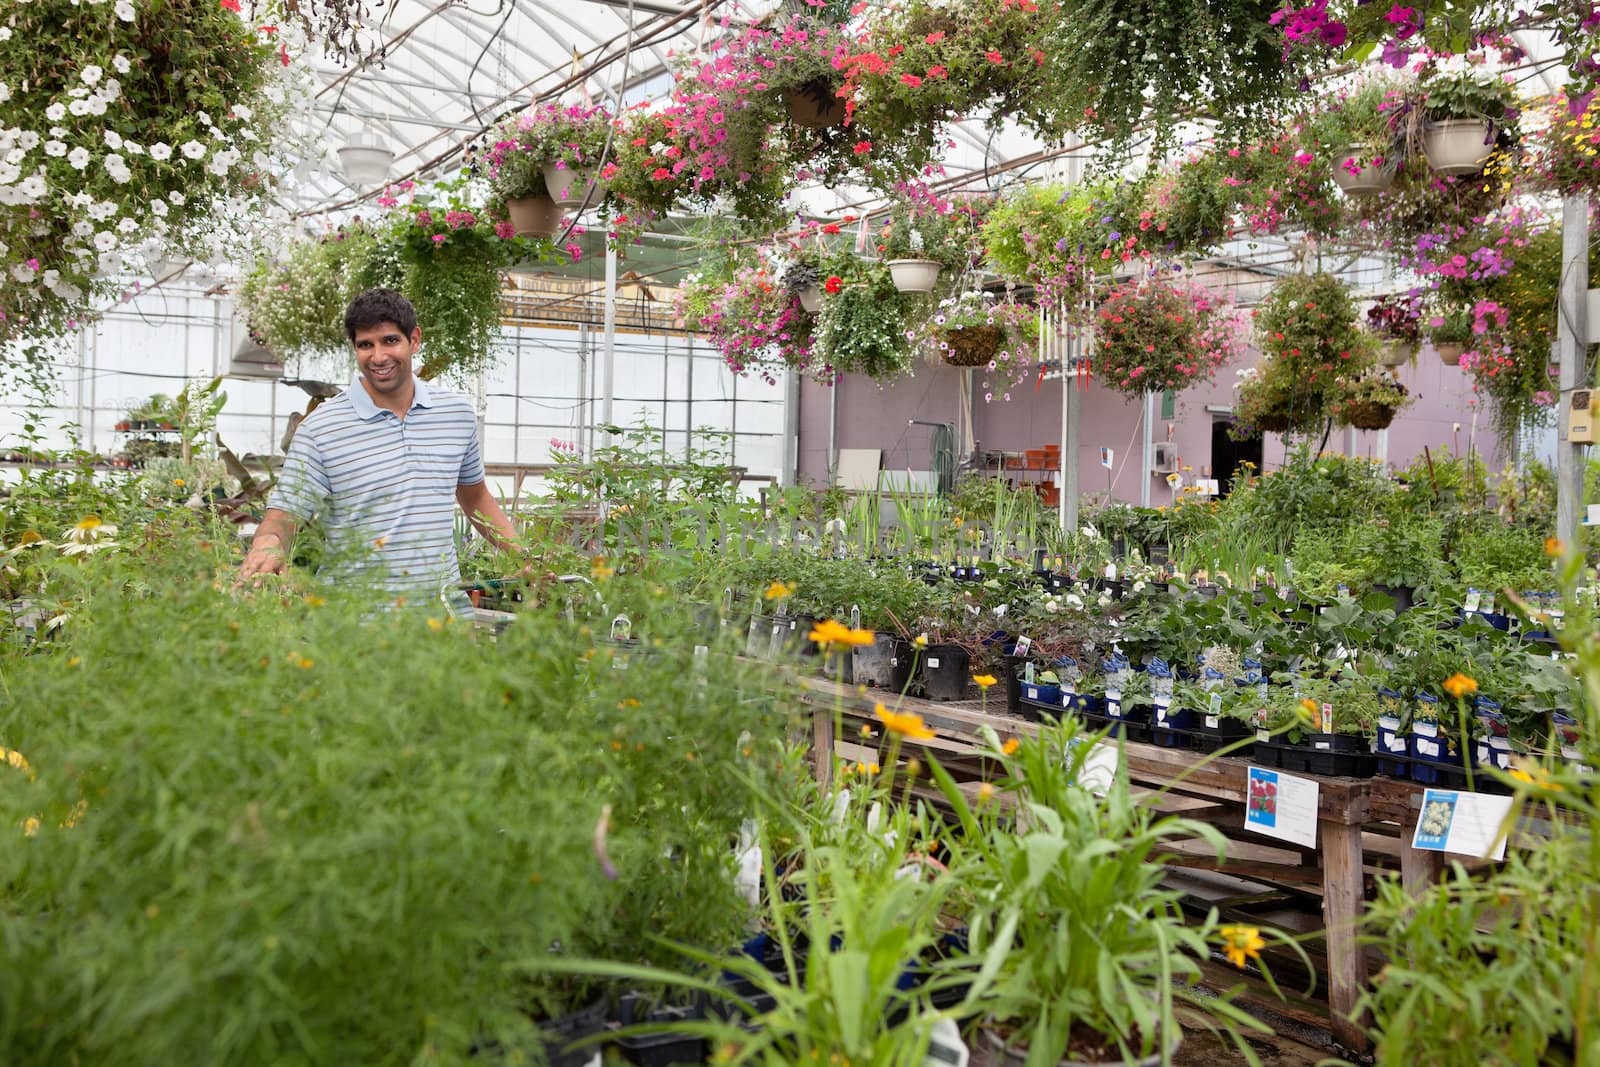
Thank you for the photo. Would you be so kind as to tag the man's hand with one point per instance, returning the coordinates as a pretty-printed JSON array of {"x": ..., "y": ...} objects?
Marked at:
[{"x": 269, "y": 552}]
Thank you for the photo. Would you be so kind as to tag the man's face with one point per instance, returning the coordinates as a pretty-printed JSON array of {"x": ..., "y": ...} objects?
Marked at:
[{"x": 384, "y": 355}]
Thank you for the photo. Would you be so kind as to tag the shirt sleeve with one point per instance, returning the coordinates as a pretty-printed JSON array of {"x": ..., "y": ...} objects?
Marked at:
[
  {"x": 471, "y": 461},
  {"x": 302, "y": 485}
]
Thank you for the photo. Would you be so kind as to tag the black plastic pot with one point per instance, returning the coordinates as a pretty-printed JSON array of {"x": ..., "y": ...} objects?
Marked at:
[
  {"x": 1013, "y": 668},
  {"x": 944, "y": 672},
  {"x": 758, "y": 638},
  {"x": 1209, "y": 738},
  {"x": 559, "y": 1034},
  {"x": 903, "y": 666},
  {"x": 871, "y": 663},
  {"x": 1404, "y": 596},
  {"x": 664, "y": 1048},
  {"x": 1333, "y": 755}
]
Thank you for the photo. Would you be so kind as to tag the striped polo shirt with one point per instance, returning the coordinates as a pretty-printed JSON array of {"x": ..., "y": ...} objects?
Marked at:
[{"x": 384, "y": 487}]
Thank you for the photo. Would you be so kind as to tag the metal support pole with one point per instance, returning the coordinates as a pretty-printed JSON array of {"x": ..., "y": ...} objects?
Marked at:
[
  {"x": 1069, "y": 435},
  {"x": 790, "y": 475},
  {"x": 833, "y": 434},
  {"x": 609, "y": 370},
  {"x": 1147, "y": 456},
  {"x": 1572, "y": 330}
]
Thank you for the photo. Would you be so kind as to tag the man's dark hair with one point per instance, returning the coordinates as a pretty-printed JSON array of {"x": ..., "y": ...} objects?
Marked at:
[{"x": 376, "y": 307}]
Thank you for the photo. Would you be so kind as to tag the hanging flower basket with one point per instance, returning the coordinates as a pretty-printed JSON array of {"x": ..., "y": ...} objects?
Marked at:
[
  {"x": 569, "y": 186},
  {"x": 815, "y": 105},
  {"x": 1457, "y": 146},
  {"x": 1274, "y": 422},
  {"x": 1396, "y": 352},
  {"x": 915, "y": 275},
  {"x": 1363, "y": 179},
  {"x": 534, "y": 216},
  {"x": 972, "y": 346},
  {"x": 811, "y": 298},
  {"x": 1450, "y": 352},
  {"x": 1368, "y": 415}
]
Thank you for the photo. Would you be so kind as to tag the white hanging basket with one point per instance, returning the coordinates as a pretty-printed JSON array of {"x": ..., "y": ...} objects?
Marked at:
[
  {"x": 534, "y": 216},
  {"x": 1395, "y": 352},
  {"x": 1457, "y": 146},
  {"x": 1450, "y": 352},
  {"x": 568, "y": 186},
  {"x": 915, "y": 275},
  {"x": 1366, "y": 180},
  {"x": 811, "y": 298}
]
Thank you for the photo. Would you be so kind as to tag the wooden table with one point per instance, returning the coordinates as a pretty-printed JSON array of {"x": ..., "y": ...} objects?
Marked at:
[{"x": 1355, "y": 816}]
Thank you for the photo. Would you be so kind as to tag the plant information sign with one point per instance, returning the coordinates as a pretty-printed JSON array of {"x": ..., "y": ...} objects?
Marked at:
[
  {"x": 1467, "y": 824},
  {"x": 1282, "y": 806}
]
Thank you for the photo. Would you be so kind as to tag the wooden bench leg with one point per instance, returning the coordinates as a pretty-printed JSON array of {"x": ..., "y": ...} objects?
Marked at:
[
  {"x": 1342, "y": 901},
  {"x": 822, "y": 743},
  {"x": 1419, "y": 868}
]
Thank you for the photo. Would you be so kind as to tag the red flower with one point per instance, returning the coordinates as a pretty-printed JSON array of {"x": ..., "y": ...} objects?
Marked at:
[
  {"x": 994, "y": 57},
  {"x": 833, "y": 284},
  {"x": 934, "y": 38},
  {"x": 832, "y": 227},
  {"x": 937, "y": 72},
  {"x": 911, "y": 80},
  {"x": 863, "y": 147},
  {"x": 231, "y": 5},
  {"x": 661, "y": 173}
]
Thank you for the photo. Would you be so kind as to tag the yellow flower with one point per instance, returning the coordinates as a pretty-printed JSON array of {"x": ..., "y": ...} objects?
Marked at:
[
  {"x": 777, "y": 591},
  {"x": 867, "y": 769},
  {"x": 599, "y": 569},
  {"x": 1309, "y": 709},
  {"x": 628, "y": 702},
  {"x": 1459, "y": 685},
  {"x": 16, "y": 759},
  {"x": 907, "y": 724},
  {"x": 834, "y": 634},
  {"x": 30, "y": 826},
  {"x": 1536, "y": 776},
  {"x": 983, "y": 681},
  {"x": 315, "y": 601},
  {"x": 435, "y": 624},
  {"x": 89, "y": 523},
  {"x": 1240, "y": 943},
  {"x": 985, "y": 793},
  {"x": 1011, "y": 745},
  {"x": 380, "y": 542},
  {"x": 74, "y": 661},
  {"x": 300, "y": 661},
  {"x": 921, "y": 641},
  {"x": 1554, "y": 546},
  {"x": 177, "y": 481}
]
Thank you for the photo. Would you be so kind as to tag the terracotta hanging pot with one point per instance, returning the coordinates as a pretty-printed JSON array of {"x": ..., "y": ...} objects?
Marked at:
[
  {"x": 569, "y": 186},
  {"x": 1450, "y": 352},
  {"x": 1366, "y": 179},
  {"x": 534, "y": 216}
]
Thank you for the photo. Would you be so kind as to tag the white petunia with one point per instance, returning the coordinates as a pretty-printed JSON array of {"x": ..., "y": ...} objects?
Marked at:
[
  {"x": 9, "y": 172},
  {"x": 78, "y": 107},
  {"x": 176, "y": 197},
  {"x": 55, "y": 149},
  {"x": 127, "y": 226},
  {"x": 56, "y": 111},
  {"x": 125, "y": 12},
  {"x": 204, "y": 117},
  {"x": 92, "y": 74},
  {"x": 240, "y": 111},
  {"x": 5, "y": 35},
  {"x": 193, "y": 149},
  {"x": 105, "y": 240},
  {"x": 83, "y": 228},
  {"x": 113, "y": 139},
  {"x": 94, "y": 106},
  {"x": 160, "y": 150},
  {"x": 158, "y": 207},
  {"x": 78, "y": 157},
  {"x": 120, "y": 64},
  {"x": 5, "y": 90},
  {"x": 133, "y": 148},
  {"x": 29, "y": 140},
  {"x": 22, "y": 272}
]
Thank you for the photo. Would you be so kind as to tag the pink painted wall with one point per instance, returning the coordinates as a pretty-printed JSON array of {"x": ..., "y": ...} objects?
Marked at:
[{"x": 870, "y": 416}]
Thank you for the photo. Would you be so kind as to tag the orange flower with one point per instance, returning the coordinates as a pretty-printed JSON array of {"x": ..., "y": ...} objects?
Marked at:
[
  {"x": 831, "y": 633},
  {"x": 983, "y": 681},
  {"x": 1554, "y": 546},
  {"x": 1459, "y": 685},
  {"x": 907, "y": 724},
  {"x": 1011, "y": 745}
]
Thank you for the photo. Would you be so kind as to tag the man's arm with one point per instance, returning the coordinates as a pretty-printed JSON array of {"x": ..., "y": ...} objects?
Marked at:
[
  {"x": 269, "y": 551},
  {"x": 486, "y": 516}
]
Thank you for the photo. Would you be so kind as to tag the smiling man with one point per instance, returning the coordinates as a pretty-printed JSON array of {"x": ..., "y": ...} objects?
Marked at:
[{"x": 384, "y": 465}]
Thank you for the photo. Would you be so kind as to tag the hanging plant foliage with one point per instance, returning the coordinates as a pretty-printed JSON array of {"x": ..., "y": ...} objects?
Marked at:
[{"x": 1161, "y": 333}]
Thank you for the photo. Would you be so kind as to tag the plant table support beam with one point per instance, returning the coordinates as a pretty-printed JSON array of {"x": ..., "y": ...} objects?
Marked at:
[
  {"x": 1341, "y": 913},
  {"x": 1572, "y": 330},
  {"x": 1419, "y": 868}
]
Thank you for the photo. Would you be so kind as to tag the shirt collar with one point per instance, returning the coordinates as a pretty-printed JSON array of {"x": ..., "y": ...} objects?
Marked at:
[{"x": 361, "y": 400}]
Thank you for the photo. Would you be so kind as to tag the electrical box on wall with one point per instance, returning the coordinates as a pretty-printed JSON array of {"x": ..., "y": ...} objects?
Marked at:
[
  {"x": 1166, "y": 458},
  {"x": 1580, "y": 417}
]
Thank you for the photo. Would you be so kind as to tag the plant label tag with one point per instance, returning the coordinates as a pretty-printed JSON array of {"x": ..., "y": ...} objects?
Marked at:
[
  {"x": 1325, "y": 718},
  {"x": 1023, "y": 644},
  {"x": 1212, "y": 722},
  {"x": 933, "y": 662},
  {"x": 1468, "y": 824},
  {"x": 1474, "y": 598},
  {"x": 1263, "y": 735},
  {"x": 1282, "y": 806},
  {"x": 1426, "y": 747},
  {"x": 1216, "y": 705},
  {"x": 1027, "y": 671},
  {"x": 1113, "y": 707},
  {"x": 1100, "y": 765}
]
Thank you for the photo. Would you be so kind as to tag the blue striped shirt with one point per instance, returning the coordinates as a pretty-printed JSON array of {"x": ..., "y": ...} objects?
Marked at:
[{"x": 384, "y": 486}]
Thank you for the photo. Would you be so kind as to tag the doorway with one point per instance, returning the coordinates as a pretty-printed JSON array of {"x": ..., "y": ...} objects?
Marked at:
[{"x": 1227, "y": 454}]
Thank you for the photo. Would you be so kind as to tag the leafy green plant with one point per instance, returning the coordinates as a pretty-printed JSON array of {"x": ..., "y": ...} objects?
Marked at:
[{"x": 861, "y": 328}]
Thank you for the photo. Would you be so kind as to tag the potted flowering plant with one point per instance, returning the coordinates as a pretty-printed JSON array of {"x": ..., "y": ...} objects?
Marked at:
[
  {"x": 923, "y": 238},
  {"x": 1449, "y": 330},
  {"x": 1308, "y": 324},
  {"x": 569, "y": 140},
  {"x": 125, "y": 138},
  {"x": 1358, "y": 134},
  {"x": 1397, "y": 321},
  {"x": 516, "y": 180},
  {"x": 755, "y": 322},
  {"x": 976, "y": 329},
  {"x": 1369, "y": 400},
  {"x": 1265, "y": 402},
  {"x": 861, "y": 327},
  {"x": 1162, "y": 333},
  {"x": 1464, "y": 117},
  {"x": 1564, "y": 154}
]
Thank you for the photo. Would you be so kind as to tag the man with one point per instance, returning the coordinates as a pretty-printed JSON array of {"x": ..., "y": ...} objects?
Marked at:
[{"x": 380, "y": 464}]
